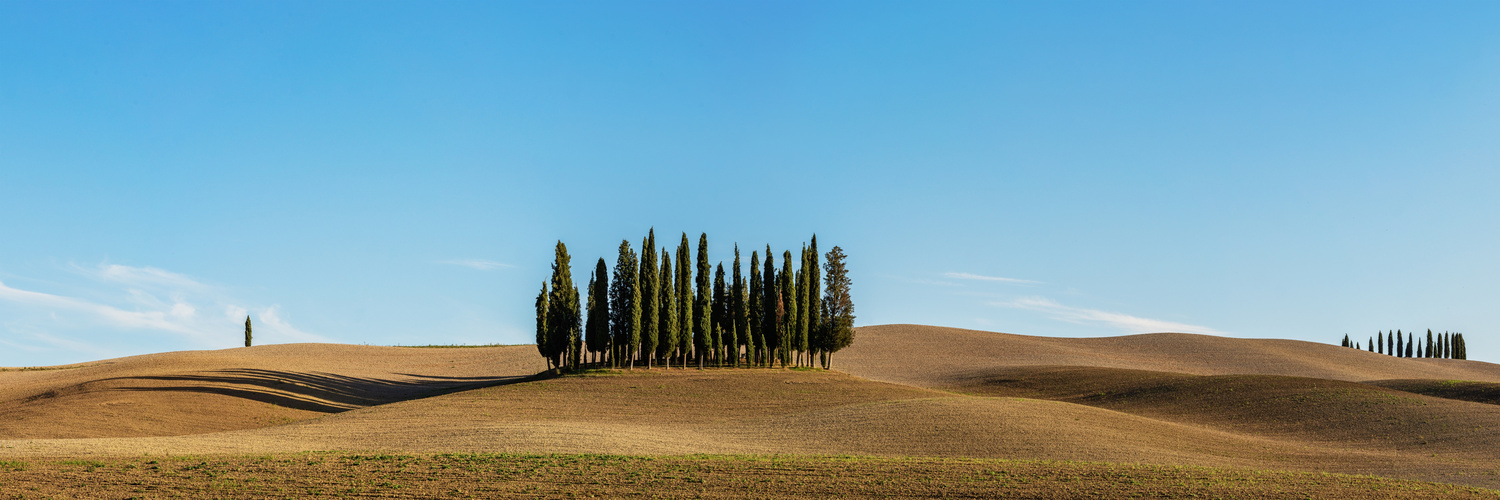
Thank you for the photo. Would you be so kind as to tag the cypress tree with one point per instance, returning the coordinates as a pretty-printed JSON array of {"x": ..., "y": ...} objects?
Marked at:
[
  {"x": 771, "y": 310},
  {"x": 247, "y": 331},
  {"x": 1428, "y": 350},
  {"x": 817, "y": 333},
  {"x": 1446, "y": 351},
  {"x": 1345, "y": 343},
  {"x": 543, "y": 346},
  {"x": 1370, "y": 345},
  {"x": 1419, "y": 350},
  {"x": 720, "y": 318},
  {"x": 804, "y": 348},
  {"x": 1356, "y": 345},
  {"x": 625, "y": 301},
  {"x": 650, "y": 299},
  {"x": 1461, "y": 350},
  {"x": 838, "y": 305},
  {"x": 1380, "y": 341},
  {"x": 563, "y": 318},
  {"x": 741, "y": 312},
  {"x": 789, "y": 308},
  {"x": 670, "y": 328},
  {"x": 1409, "y": 342},
  {"x": 1397, "y": 345},
  {"x": 597, "y": 327},
  {"x": 684, "y": 300},
  {"x": 702, "y": 312},
  {"x": 757, "y": 345}
]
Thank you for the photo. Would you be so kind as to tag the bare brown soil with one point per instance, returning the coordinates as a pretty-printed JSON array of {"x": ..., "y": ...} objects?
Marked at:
[
  {"x": 1462, "y": 390},
  {"x": 193, "y": 392},
  {"x": 930, "y": 356},
  {"x": 570, "y": 476}
]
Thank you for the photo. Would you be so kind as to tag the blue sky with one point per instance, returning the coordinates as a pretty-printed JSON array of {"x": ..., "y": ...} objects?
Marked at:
[{"x": 397, "y": 172}]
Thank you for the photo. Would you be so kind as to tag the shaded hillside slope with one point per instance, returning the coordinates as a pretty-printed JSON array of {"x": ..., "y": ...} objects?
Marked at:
[
  {"x": 191, "y": 392},
  {"x": 930, "y": 356},
  {"x": 774, "y": 412},
  {"x": 1331, "y": 412}
]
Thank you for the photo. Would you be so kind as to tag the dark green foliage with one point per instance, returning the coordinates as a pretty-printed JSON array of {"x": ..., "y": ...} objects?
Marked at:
[
  {"x": 1460, "y": 351},
  {"x": 788, "y": 308},
  {"x": 755, "y": 312},
  {"x": 702, "y": 312},
  {"x": 1345, "y": 343},
  {"x": 542, "y": 345},
  {"x": 1428, "y": 350},
  {"x": 817, "y": 331},
  {"x": 625, "y": 302},
  {"x": 1370, "y": 345},
  {"x": 838, "y": 305},
  {"x": 741, "y": 312},
  {"x": 563, "y": 318},
  {"x": 668, "y": 317},
  {"x": 684, "y": 300},
  {"x": 717, "y": 325},
  {"x": 247, "y": 331},
  {"x": 802, "y": 346},
  {"x": 1408, "y": 345},
  {"x": 771, "y": 310},
  {"x": 1399, "y": 347},
  {"x": 596, "y": 328},
  {"x": 1390, "y": 344},
  {"x": 650, "y": 299}
]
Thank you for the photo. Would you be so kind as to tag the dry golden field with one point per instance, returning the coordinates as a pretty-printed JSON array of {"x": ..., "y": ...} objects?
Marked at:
[{"x": 1065, "y": 417}]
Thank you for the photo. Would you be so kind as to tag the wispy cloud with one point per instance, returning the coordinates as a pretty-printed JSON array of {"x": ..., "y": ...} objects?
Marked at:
[
  {"x": 131, "y": 308},
  {"x": 1126, "y": 322},
  {"x": 976, "y": 277},
  {"x": 480, "y": 264}
]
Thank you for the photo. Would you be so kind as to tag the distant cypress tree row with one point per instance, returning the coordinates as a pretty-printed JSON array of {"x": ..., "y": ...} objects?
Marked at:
[{"x": 1445, "y": 345}]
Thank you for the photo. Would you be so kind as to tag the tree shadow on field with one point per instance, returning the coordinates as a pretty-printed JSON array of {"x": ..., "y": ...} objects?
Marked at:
[{"x": 319, "y": 392}]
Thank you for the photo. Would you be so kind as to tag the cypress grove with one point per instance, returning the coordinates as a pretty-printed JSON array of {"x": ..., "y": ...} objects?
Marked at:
[{"x": 780, "y": 314}]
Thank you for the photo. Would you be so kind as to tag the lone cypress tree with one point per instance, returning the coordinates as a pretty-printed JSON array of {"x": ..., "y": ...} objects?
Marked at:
[
  {"x": 684, "y": 300},
  {"x": 741, "y": 312},
  {"x": 838, "y": 305},
  {"x": 702, "y": 309},
  {"x": 669, "y": 325},
  {"x": 564, "y": 319},
  {"x": 543, "y": 345},
  {"x": 757, "y": 344},
  {"x": 650, "y": 299},
  {"x": 247, "y": 331},
  {"x": 625, "y": 298}
]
